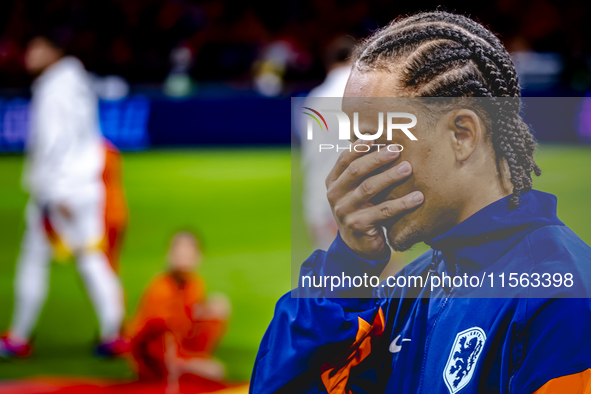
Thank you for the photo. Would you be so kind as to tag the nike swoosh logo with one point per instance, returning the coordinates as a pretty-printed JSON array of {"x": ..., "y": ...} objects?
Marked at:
[{"x": 395, "y": 347}]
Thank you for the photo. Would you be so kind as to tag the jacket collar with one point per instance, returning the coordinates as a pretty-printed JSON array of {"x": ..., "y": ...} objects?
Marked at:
[{"x": 487, "y": 235}]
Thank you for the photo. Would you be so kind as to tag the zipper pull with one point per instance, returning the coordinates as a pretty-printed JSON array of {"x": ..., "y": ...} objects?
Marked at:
[{"x": 433, "y": 262}]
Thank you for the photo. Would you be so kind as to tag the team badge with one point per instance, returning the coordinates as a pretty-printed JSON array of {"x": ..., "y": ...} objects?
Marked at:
[{"x": 462, "y": 360}]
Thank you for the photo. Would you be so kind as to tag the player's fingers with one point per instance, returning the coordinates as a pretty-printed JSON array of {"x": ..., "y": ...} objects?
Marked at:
[
  {"x": 346, "y": 158},
  {"x": 375, "y": 184},
  {"x": 391, "y": 208},
  {"x": 361, "y": 167}
]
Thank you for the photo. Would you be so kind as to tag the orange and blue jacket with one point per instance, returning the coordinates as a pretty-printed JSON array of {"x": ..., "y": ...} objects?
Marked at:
[{"x": 519, "y": 322}]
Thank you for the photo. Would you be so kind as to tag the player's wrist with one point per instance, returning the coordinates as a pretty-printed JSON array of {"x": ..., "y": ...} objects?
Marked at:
[
  {"x": 342, "y": 253},
  {"x": 366, "y": 252}
]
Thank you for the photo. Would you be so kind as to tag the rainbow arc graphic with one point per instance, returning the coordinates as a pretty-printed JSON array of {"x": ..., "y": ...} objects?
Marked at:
[{"x": 315, "y": 118}]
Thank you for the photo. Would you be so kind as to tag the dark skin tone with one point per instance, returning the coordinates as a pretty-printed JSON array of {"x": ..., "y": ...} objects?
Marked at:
[{"x": 435, "y": 183}]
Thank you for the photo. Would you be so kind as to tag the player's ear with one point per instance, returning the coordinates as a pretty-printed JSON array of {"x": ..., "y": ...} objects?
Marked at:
[{"x": 466, "y": 132}]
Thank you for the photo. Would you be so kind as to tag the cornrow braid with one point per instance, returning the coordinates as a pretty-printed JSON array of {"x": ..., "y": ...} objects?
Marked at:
[{"x": 448, "y": 55}]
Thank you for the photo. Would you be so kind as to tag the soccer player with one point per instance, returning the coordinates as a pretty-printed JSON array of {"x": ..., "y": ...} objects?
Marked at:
[
  {"x": 68, "y": 173},
  {"x": 465, "y": 188},
  {"x": 175, "y": 329}
]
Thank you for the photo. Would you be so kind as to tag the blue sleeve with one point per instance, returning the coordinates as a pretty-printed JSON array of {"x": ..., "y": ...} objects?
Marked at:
[
  {"x": 556, "y": 342},
  {"x": 315, "y": 337}
]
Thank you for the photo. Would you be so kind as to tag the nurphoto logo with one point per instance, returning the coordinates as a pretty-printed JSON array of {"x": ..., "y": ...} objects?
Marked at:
[{"x": 344, "y": 129}]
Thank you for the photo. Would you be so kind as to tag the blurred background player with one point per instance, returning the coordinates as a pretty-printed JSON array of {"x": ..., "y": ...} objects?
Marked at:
[
  {"x": 76, "y": 206},
  {"x": 315, "y": 165},
  {"x": 175, "y": 329}
]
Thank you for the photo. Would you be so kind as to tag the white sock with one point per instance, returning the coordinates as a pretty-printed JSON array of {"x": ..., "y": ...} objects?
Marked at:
[
  {"x": 105, "y": 292},
  {"x": 30, "y": 283}
]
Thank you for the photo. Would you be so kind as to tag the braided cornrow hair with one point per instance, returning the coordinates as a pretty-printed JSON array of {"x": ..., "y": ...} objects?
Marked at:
[{"x": 448, "y": 55}]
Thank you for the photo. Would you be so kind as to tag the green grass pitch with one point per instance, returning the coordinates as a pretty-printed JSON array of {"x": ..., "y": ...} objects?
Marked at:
[{"x": 239, "y": 200}]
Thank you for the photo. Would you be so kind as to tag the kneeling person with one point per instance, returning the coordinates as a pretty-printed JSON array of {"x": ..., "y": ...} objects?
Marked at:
[{"x": 176, "y": 329}]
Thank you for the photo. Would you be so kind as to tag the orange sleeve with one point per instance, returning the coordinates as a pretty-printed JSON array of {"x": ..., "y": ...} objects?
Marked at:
[{"x": 578, "y": 383}]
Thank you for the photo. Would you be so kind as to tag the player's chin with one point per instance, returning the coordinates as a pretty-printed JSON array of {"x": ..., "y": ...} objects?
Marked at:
[{"x": 404, "y": 233}]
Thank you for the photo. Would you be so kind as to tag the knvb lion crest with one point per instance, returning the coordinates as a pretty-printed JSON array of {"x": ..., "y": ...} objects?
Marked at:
[{"x": 462, "y": 360}]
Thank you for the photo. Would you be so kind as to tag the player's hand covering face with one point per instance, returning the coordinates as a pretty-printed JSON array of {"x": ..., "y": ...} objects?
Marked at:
[
  {"x": 350, "y": 192},
  {"x": 453, "y": 166}
]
